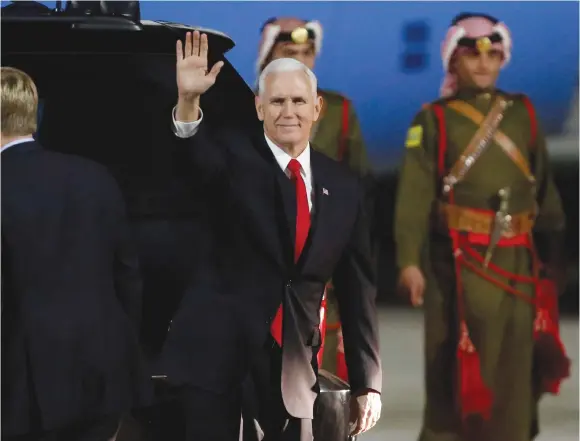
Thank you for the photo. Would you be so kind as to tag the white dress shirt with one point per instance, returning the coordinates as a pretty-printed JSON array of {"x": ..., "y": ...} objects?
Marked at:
[
  {"x": 188, "y": 129},
  {"x": 16, "y": 142}
]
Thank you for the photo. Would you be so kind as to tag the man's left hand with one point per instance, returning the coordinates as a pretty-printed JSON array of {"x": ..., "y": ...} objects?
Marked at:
[{"x": 365, "y": 411}]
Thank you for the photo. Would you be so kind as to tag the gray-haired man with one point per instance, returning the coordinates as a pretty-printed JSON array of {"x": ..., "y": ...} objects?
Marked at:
[{"x": 285, "y": 220}]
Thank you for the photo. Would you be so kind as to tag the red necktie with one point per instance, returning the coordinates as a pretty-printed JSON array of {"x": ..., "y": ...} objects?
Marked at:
[{"x": 302, "y": 228}]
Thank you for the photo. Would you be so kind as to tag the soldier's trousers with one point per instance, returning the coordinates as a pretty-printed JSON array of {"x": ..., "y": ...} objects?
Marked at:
[{"x": 501, "y": 328}]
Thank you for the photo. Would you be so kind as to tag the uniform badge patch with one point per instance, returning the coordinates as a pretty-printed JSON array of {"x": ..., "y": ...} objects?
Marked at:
[{"x": 414, "y": 137}]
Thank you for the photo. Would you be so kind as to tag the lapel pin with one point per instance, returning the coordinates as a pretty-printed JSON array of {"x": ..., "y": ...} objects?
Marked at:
[{"x": 325, "y": 191}]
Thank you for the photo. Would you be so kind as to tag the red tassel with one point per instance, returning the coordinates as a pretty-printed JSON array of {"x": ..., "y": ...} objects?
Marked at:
[
  {"x": 474, "y": 396},
  {"x": 547, "y": 298},
  {"x": 550, "y": 358}
]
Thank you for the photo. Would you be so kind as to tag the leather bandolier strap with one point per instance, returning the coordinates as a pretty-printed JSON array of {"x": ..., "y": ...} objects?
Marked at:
[
  {"x": 478, "y": 144},
  {"x": 500, "y": 138}
]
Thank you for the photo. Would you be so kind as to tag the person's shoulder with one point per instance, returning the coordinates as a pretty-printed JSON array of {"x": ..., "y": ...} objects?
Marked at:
[
  {"x": 333, "y": 98},
  {"x": 424, "y": 122},
  {"x": 336, "y": 104},
  {"x": 519, "y": 99},
  {"x": 79, "y": 172},
  {"x": 430, "y": 105},
  {"x": 520, "y": 106},
  {"x": 425, "y": 115},
  {"x": 81, "y": 166},
  {"x": 424, "y": 112},
  {"x": 336, "y": 171}
]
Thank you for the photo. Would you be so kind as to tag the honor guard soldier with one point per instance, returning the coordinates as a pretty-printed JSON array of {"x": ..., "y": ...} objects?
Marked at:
[
  {"x": 477, "y": 226},
  {"x": 337, "y": 134}
]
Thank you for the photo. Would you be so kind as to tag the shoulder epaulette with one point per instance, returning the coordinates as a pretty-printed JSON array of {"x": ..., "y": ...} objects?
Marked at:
[
  {"x": 332, "y": 93},
  {"x": 444, "y": 100},
  {"x": 515, "y": 96},
  {"x": 440, "y": 101}
]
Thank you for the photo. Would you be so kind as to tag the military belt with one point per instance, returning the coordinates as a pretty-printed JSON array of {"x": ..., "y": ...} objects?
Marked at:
[{"x": 476, "y": 221}]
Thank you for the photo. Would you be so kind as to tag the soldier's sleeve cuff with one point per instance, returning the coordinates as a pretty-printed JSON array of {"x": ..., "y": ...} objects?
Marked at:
[{"x": 407, "y": 261}]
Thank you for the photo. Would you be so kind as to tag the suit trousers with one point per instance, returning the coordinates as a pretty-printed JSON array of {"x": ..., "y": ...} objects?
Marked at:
[
  {"x": 265, "y": 417},
  {"x": 216, "y": 417},
  {"x": 98, "y": 429}
]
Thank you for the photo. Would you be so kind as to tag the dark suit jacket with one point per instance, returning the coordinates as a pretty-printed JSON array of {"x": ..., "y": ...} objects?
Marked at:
[
  {"x": 71, "y": 294},
  {"x": 224, "y": 320}
]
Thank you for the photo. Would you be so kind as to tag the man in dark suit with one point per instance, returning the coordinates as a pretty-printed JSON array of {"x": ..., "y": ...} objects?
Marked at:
[
  {"x": 71, "y": 290},
  {"x": 285, "y": 219}
]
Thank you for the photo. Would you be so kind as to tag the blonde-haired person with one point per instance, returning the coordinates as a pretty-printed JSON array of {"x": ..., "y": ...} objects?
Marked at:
[
  {"x": 71, "y": 291},
  {"x": 19, "y": 104}
]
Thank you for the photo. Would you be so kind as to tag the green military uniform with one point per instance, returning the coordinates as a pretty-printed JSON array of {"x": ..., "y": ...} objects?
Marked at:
[
  {"x": 500, "y": 324},
  {"x": 328, "y": 137},
  {"x": 327, "y": 134}
]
